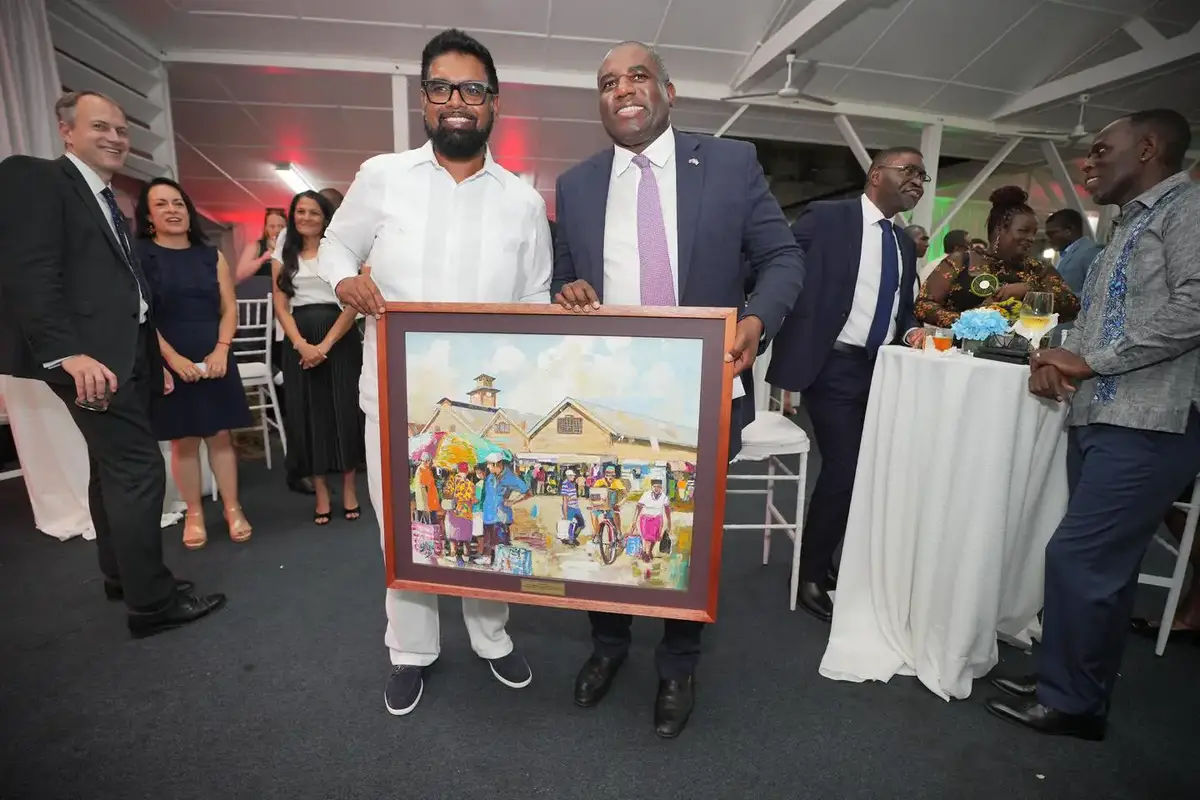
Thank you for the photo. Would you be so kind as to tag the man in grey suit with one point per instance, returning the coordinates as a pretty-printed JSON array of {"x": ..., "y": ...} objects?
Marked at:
[{"x": 1130, "y": 372}]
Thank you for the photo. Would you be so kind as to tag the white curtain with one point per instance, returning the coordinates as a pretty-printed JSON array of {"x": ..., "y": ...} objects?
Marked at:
[{"x": 29, "y": 84}]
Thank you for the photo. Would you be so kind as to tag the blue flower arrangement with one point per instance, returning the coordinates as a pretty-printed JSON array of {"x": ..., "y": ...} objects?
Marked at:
[{"x": 980, "y": 323}]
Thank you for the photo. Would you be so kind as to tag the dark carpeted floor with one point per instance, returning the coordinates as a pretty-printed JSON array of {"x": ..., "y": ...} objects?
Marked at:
[{"x": 280, "y": 694}]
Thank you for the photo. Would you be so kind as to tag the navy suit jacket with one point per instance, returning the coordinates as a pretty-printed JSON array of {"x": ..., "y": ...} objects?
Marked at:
[
  {"x": 830, "y": 233},
  {"x": 731, "y": 233}
]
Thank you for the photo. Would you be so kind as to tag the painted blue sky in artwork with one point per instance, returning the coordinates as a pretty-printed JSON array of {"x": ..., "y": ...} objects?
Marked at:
[{"x": 654, "y": 377}]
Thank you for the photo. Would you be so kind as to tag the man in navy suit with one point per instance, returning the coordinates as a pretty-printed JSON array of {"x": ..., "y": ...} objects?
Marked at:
[
  {"x": 663, "y": 218},
  {"x": 858, "y": 296}
]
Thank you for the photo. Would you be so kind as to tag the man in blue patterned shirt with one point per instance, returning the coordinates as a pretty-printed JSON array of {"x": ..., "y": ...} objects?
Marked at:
[{"x": 1130, "y": 372}]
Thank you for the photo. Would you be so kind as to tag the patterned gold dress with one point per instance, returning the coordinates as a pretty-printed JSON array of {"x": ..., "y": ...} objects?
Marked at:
[{"x": 955, "y": 287}]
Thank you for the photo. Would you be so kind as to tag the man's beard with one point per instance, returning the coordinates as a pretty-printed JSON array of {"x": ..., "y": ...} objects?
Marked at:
[{"x": 458, "y": 144}]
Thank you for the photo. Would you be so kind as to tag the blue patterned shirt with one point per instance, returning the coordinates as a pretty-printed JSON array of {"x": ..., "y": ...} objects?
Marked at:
[{"x": 1139, "y": 326}]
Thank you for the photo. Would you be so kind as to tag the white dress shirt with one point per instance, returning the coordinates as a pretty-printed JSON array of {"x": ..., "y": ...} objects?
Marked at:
[
  {"x": 622, "y": 259},
  {"x": 97, "y": 185},
  {"x": 430, "y": 239},
  {"x": 866, "y": 289}
]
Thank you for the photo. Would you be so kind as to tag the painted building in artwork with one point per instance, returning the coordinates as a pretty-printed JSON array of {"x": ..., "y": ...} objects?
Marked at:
[
  {"x": 578, "y": 427},
  {"x": 482, "y": 416},
  {"x": 571, "y": 428}
]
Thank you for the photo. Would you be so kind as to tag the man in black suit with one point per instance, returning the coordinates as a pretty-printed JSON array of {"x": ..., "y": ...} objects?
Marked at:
[
  {"x": 859, "y": 291},
  {"x": 75, "y": 313},
  {"x": 665, "y": 218}
]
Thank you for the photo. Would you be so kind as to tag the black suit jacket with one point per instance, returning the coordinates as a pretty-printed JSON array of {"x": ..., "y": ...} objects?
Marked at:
[
  {"x": 830, "y": 233},
  {"x": 65, "y": 286},
  {"x": 731, "y": 232}
]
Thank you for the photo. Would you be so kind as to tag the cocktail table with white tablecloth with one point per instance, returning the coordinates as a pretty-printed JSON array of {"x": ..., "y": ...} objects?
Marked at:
[{"x": 961, "y": 482}]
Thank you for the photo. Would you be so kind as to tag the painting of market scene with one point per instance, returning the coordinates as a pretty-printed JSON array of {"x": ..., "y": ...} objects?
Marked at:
[{"x": 553, "y": 456}]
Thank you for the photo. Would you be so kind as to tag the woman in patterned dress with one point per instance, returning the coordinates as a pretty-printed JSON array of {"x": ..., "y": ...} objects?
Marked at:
[
  {"x": 460, "y": 491},
  {"x": 1006, "y": 269}
]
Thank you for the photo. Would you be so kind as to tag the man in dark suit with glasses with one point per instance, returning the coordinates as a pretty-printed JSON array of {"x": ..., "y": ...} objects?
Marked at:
[{"x": 859, "y": 292}]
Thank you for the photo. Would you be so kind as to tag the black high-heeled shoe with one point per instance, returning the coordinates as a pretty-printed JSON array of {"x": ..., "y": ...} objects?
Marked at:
[{"x": 352, "y": 513}]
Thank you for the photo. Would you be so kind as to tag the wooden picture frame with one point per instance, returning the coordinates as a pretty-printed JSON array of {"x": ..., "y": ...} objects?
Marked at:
[{"x": 495, "y": 565}]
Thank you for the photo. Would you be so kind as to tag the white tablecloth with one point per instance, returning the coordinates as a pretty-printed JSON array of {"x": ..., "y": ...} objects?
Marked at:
[
  {"x": 961, "y": 481},
  {"x": 54, "y": 461}
]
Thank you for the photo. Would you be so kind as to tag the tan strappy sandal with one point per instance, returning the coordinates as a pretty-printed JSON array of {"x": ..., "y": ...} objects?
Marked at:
[
  {"x": 194, "y": 534},
  {"x": 239, "y": 527}
]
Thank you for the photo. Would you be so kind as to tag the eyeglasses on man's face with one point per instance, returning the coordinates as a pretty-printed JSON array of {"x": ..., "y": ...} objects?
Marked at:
[
  {"x": 909, "y": 171},
  {"x": 473, "y": 93}
]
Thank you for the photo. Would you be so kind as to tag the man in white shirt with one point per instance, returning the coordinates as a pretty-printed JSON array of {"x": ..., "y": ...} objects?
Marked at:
[
  {"x": 664, "y": 218},
  {"x": 859, "y": 296},
  {"x": 442, "y": 223}
]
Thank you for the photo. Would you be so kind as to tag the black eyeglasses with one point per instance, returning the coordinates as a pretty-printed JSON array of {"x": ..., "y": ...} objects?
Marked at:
[
  {"x": 473, "y": 93},
  {"x": 909, "y": 171}
]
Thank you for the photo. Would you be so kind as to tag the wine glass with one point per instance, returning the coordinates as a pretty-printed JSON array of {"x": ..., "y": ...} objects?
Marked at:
[{"x": 1036, "y": 312}]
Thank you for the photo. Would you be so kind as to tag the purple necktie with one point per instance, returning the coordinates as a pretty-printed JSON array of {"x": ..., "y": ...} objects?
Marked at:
[{"x": 658, "y": 283}]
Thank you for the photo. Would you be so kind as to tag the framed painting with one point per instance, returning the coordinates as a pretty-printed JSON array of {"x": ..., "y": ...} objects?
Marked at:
[{"x": 532, "y": 455}]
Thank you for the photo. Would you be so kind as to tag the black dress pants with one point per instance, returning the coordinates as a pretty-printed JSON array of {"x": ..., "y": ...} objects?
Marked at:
[
  {"x": 676, "y": 655},
  {"x": 127, "y": 487},
  {"x": 837, "y": 405}
]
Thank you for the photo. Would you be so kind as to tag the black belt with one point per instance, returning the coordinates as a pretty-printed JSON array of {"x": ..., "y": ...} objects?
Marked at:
[{"x": 853, "y": 350}]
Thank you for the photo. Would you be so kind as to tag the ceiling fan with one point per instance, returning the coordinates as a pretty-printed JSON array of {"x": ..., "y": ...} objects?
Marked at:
[
  {"x": 789, "y": 92},
  {"x": 1078, "y": 133}
]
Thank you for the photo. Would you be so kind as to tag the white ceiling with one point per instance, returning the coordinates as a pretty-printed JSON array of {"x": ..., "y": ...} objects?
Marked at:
[{"x": 965, "y": 58}]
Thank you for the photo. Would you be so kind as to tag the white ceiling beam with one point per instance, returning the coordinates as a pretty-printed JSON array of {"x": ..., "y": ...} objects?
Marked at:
[
  {"x": 727, "y": 124},
  {"x": 401, "y": 138},
  {"x": 217, "y": 167},
  {"x": 850, "y": 136},
  {"x": 1162, "y": 55},
  {"x": 931, "y": 152},
  {"x": 898, "y": 114},
  {"x": 974, "y": 186},
  {"x": 1145, "y": 34},
  {"x": 814, "y": 23},
  {"x": 686, "y": 90},
  {"x": 163, "y": 126},
  {"x": 519, "y": 75}
]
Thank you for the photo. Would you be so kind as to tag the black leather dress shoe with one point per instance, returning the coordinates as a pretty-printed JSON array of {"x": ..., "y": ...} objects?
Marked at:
[
  {"x": 1150, "y": 630},
  {"x": 1035, "y": 716},
  {"x": 184, "y": 608},
  {"x": 813, "y": 598},
  {"x": 1020, "y": 686},
  {"x": 595, "y": 679},
  {"x": 114, "y": 591},
  {"x": 301, "y": 485},
  {"x": 673, "y": 706}
]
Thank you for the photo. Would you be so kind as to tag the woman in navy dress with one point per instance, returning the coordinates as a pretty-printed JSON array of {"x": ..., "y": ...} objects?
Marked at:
[{"x": 195, "y": 310}]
